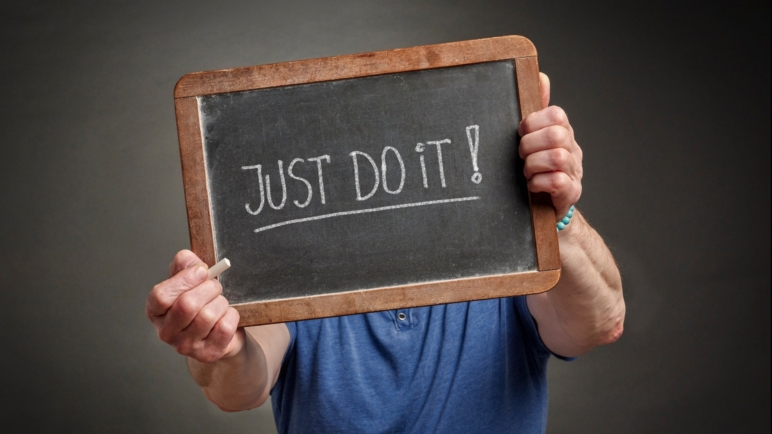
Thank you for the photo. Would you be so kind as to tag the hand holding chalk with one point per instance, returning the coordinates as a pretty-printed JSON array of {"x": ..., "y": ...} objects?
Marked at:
[
  {"x": 219, "y": 267},
  {"x": 194, "y": 297}
]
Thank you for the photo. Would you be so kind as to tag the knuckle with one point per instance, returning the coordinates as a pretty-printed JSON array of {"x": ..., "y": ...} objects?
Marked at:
[
  {"x": 155, "y": 305},
  {"x": 212, "y": 286},
  {"x": 174, "y": 266},
  {"x": 525, "y": 145},
  {"x": 556, "y": 135},
  {"x": 224, "y": 330},
  {"x": 206, "y": 317},
  {"x": 209, "y": 356},
  {"x": 228, "y": 328},
  {"x": 189, "y": 278},
  {"x": 559, "y": 158},
  {"x": 185, "y": 307},
  {"x": 182, "y": 255},
  {"x": 196, "y": 349},
  {"x": 557, "y": 182},
  {"x": 164, "y": 335},
  {"x": 183, "y": 347},
  {"x": 526, "y": 124},
  {"x": 183, "y": 259},
  {"x": 528, "y": 169},
  {"x": 557, "y": 115},
  {"x": 536, "y": 185},
  {"x": 156, "y": 291},
  {"x": 562, "y": 180},
  {"x": 223, "y": 302}
]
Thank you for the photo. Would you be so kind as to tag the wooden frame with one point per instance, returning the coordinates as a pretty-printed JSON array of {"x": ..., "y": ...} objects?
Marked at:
[{"x": 517, "y": 48}]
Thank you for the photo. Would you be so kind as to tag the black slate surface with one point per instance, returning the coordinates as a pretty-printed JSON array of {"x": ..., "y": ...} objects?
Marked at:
[{"x": 419, "y": 234}]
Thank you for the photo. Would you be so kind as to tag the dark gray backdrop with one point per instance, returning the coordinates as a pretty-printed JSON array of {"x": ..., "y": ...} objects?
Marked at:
[{"x": 670, "y": 101}]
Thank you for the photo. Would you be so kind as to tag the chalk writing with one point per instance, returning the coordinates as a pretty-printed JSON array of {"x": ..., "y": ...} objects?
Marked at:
[
  {"x": 363, "y": 211},
  {"x": 356, "y": 175},
  {"x": 262, "y": 192},
  {"x": 420, "y": 148},
  {"x": 389, "y": 156},
  {"x": 304, "y": 181},
  {"x": 438, "y": 144},
  {"x": 474, "y": 146},
  {"x": 265, "y": 189},
  {"x": 319, "y": 171},
  {"x": 401, "y": 168},
  {"x": 283, "y": 188}
]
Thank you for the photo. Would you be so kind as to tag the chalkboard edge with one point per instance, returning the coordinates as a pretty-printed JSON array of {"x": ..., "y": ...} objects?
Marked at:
[
  {"x": 194, "y": 178},
  {"x": 354, "y": 66},
  {"x": 543, "y": 218},
  {"x": 395, "y": 297}
]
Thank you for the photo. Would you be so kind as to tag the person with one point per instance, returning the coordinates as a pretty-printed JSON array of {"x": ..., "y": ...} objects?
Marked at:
[{"x": 464, "y": 367}]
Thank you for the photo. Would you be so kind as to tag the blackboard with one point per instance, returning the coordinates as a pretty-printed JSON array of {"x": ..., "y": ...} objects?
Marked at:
[{"x": 335, "y": 190}]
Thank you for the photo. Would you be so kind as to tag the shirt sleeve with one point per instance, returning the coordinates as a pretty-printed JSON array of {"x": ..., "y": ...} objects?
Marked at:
[
  {"x": 293, "y": 331},
  {"x": 532, "y": 328}
]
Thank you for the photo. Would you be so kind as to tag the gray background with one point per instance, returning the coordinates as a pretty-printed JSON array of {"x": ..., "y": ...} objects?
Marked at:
[{"x": 670, "y": 101}]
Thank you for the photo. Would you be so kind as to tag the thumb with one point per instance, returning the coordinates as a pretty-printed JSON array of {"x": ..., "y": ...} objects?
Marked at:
[
  {"x": 182, "y": 260},
  {"x": 544, "y": 83}
]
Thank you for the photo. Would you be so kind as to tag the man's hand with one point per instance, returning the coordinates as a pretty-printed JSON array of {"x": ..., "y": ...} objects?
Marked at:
[
  {"x": 586, "y": 307},
  {"x": 190, "y": 313},
  {"x": 553, "y": 159},
  {"x": 235, "y": 367}
]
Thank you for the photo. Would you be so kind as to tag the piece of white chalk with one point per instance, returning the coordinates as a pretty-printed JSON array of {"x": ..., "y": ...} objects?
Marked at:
[{"x": 219, "y": 267}]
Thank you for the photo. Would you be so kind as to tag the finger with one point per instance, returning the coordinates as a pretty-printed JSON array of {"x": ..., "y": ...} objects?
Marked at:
[
  {"x": 563, "y": 190},
  {"x": 548, "y": 138},
  {"x": 544, "y": 83},
  {"x": 182, "y": 260},
  {"x": 221, "y": 338},
  {"x": 207, "y": 317},
  {"x": 187, "y": 306},
  {"x": 163, "y": 295},
  {"x": 550, "y": 160},
  {"x": 544, "y": 118}
]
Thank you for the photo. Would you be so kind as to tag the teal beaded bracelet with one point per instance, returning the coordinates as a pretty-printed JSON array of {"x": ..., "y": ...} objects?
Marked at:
[{"x": 566, "y": 220}]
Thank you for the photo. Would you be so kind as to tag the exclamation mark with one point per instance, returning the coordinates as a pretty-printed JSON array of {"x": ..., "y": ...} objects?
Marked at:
[{"x": 474, "y": 145}]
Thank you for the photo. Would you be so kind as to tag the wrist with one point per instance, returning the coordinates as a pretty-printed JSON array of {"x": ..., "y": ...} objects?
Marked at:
[
  {"x": 203, "y": 372},
  {"x": 566, "y": 220},
  {"x": 571, "y": 230}
]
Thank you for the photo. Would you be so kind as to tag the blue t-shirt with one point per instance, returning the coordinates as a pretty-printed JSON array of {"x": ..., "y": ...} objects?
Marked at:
[{"x": 477, "y": 367}]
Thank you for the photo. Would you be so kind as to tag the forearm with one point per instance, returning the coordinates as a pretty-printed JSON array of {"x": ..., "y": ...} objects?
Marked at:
[
  {"x": 586, "y": 307},
  {"x": 236, "y": 383}
]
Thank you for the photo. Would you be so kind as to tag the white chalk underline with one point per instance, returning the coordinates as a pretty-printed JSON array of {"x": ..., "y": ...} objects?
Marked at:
[{"x": 364, "y": 211}]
